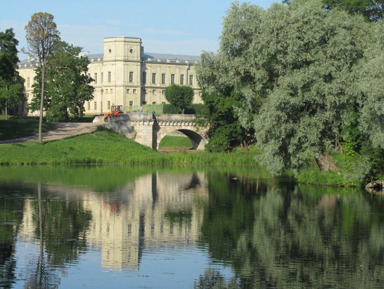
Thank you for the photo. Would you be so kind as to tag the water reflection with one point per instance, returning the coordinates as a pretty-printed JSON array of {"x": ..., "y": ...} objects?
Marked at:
[{"x": 172, "y": 228}]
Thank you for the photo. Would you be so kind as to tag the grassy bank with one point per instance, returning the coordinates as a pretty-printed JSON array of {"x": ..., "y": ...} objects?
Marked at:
[
  {"x": 169, "y": 142},
  {"x": 105, "y": 147},
  {"x": 15, "y": 128}
]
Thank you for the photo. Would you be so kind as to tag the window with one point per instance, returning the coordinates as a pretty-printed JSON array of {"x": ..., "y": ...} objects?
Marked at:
[
  {"x": 28, "y": 82},
  {"x": 106, "y": 91},
  {"x": 109, "y": 76},
  {"x": 163, "y": 92},
  {"x": 134, "y": 90},
  {"x": 89, "y": 105},
  {"x": 101, "y": 77},
  {"x": 130, "y": 103},
  {"x": 154, "y": 102},
  {"x": 153, "y": 78},
  {"x": 128, "y": 90},
  {"x": 144, "y": 77},
  {"x": 181, "y": 79},
  {"x": 172, "y": 79},
  {"x": 95, "y": 105},
  {"x": 191, "y": 80},
  {"x": 95, "y": 78},
  {"x": 111, "y": 90},
  {"x": 154, "y": 91},
  {"x": 131, "y": 76},
  {"x": 109, "y": 104},
  {"x": 163, "y": 78}
]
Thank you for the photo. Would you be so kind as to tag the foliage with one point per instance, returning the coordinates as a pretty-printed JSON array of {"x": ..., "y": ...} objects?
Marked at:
[
  {"x": 227, "y": 81},
  {"x": 175, "y": 142},
  {"x": 315, "y": 52},
  {"x": 67, "y": 84},
  {"x": 297, "y": 69},
  {"x": 42, "y": 36},
  {"x": 225, "y": 130},
  {"x": 179, "y": 96},
  {"x": 11, "y": 84},
  {"x": 372, "y": 10}
]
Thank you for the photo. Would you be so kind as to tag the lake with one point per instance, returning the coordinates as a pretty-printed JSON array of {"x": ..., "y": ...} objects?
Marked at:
[{"x": 184, "y": 227}]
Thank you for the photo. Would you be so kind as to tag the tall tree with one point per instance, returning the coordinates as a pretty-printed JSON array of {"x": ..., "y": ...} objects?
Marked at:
[
  {"x": 228, "y": 81},
  {"x": 179, "y": 96},
  {"x": 67, "y": 84},
  {"x": 314, "y": 53},
  {"x": 11, "y": 84},
  {"x": 294, "y": 66},
  {"x": 372, "y": 10},
  {"x": 41, "y": 35}
]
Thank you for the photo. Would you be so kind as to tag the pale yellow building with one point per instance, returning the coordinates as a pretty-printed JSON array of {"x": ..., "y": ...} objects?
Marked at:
[{"x": 126, "y": 75}]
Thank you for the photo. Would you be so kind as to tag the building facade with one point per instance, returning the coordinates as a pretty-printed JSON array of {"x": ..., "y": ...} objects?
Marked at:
[{"x": 125, "y": 75}]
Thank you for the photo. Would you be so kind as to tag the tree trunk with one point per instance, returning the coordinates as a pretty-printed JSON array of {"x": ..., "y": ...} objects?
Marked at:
[
  {"x": 6, "y": 109},
  {"x": 325, "y": 162},
  {"x": 6, "y": 103},
  {"x": 41, "y": 103}
]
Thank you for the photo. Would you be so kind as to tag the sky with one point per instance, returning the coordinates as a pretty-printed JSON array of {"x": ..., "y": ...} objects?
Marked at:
[{"x": 165, "y": 26}]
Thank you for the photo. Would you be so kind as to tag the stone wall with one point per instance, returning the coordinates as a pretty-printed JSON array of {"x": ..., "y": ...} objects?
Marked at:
[{"x": 149, "y": 129}]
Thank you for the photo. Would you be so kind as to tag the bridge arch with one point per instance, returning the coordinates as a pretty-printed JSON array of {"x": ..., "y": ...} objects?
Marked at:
[{"x": 198, "y": 141}]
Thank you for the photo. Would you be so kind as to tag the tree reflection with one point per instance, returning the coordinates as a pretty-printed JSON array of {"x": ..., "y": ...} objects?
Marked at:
[
  {"x": 295, "y": 238},
  {"x": 61, "y": 228},
  {"x": 10, "y": 220},
  {"x": 212, "y": 279}
]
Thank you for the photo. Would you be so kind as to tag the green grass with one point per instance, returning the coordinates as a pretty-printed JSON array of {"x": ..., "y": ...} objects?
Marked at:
[
  {"x": 107, "y": 147},
  {"x": 15, "y": 128},
  {"x": 170, "y": 142}
]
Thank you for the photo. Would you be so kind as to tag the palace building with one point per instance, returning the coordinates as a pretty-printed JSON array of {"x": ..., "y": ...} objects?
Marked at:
[{"x": 126, "y": 75}]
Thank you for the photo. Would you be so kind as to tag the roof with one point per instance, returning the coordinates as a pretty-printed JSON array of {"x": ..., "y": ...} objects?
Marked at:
[
  {"x": 170, "y": 57},
  {"x": 147, "y": 57}
]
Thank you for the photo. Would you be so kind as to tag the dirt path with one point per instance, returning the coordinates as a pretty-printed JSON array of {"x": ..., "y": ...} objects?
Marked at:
[{"x": 64, "y": 129}]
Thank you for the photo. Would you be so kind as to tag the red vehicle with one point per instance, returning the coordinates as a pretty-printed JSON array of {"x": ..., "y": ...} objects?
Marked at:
[{"x": 115, "y": 110}]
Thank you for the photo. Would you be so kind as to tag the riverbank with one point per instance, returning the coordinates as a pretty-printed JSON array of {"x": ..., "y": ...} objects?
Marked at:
[
  {"x": 107, "y": 147},
  {"x": 88, "y": 143}
]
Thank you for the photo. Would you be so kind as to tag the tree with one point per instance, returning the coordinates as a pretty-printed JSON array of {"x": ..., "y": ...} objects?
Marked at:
[
  {"x": 314, "y": 53},
  {"x": 179, "y": 96},
  {"x": 67, "y": 84},
  {"x": 11, "y": 84},
  {"x": 294, "y": 67},
  {"x": 226, "y": 79},
  {"x": 41, "y": 35},
  {"x": 371, "y": 10}
]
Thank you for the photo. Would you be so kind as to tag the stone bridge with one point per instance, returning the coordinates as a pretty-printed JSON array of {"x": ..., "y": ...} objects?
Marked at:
[{"x": 149, "y": 129}]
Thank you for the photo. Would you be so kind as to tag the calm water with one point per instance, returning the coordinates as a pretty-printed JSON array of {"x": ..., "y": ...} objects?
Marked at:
[{"x": 120, "y": 227}]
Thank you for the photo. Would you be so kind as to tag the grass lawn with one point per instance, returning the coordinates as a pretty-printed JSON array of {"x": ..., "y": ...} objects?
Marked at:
[
  {"x": 107, "y": 147},
  {"x": 180, "y": 142},
  {"x": 15, "y": 128}
]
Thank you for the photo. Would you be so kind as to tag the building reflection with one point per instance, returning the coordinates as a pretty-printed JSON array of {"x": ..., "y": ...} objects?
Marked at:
[{"x": 152, "y": 213}]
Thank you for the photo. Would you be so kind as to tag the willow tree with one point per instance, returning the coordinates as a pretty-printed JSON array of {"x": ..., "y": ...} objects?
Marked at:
[
  {"x": 42, "y": 36},
  {"x": 314, "y": 53},
  {"x": 228, "y": 81},
  {"x": 372, "y": 10},
  {"x": 295, "y": 67}
]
